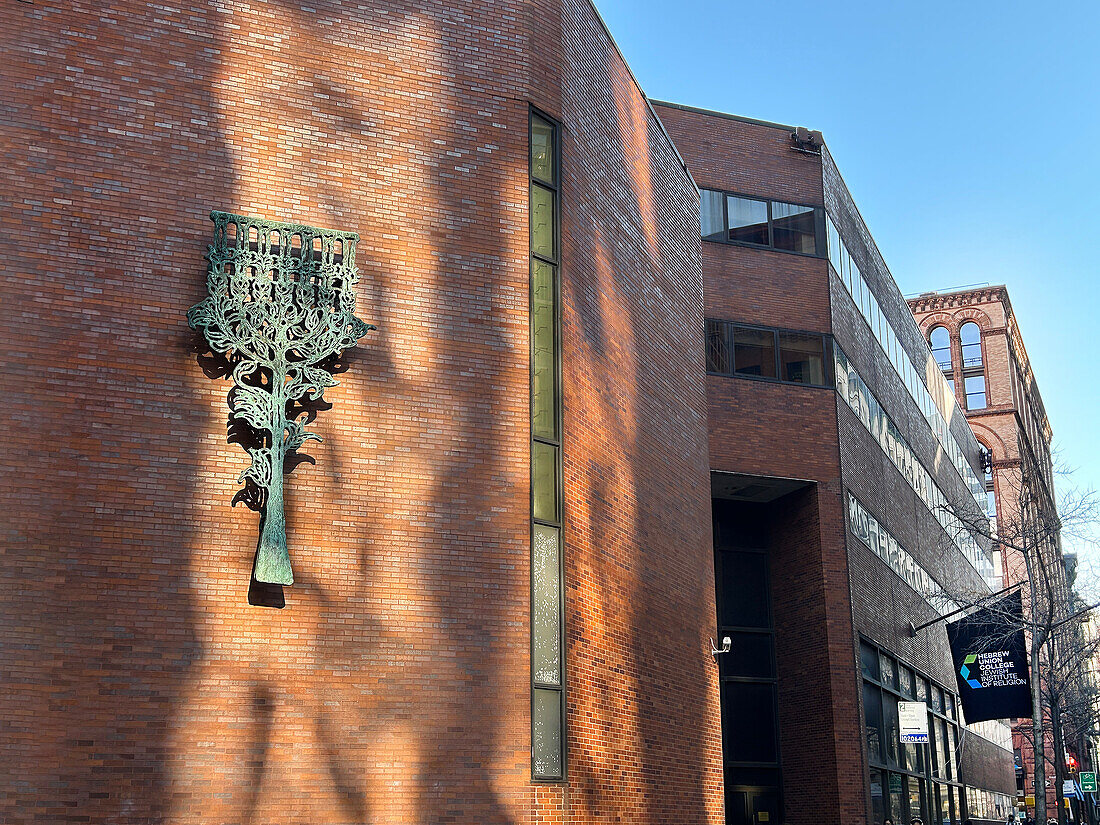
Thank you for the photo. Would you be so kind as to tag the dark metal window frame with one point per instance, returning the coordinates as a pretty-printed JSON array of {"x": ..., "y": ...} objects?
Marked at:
[
  {"x": 928, "y": 780},
  {"x": 555, "y": 262},
  {"x": 820, "y": 240},
  {"x": 828, "y": 379}
]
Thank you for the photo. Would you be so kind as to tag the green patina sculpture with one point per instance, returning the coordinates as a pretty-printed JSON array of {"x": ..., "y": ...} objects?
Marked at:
[{"x": 281, "y": 304}]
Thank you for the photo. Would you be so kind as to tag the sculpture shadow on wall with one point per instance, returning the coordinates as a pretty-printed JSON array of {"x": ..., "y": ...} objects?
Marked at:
[{"x": 220, "y": 366}]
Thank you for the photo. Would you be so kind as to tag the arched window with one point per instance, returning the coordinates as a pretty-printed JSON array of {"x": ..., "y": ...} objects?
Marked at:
[
  {"x": 940, "y": 339},
  {"x": 971, "y": 344}
]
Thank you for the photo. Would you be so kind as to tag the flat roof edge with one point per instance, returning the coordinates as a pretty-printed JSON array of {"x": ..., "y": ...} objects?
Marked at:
[{"x": 726, "y": 115}]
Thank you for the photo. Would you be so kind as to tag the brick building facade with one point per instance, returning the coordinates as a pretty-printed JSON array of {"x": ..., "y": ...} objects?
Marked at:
[
  {"x": 541, "y": 489},
  {"x": 140, "y": 683}
]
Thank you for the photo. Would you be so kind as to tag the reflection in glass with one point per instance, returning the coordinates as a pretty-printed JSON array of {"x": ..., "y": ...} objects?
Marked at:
[
  {"x": 878, "y": 796},
  {"x": 748, "y": 220},
  {"x": 916, "y": 797},
  {"x": 544, "y": 389},
  {"x": 872, "y": 719},
  {"x": 801, "y": 358},
  {"x": 754, "y": 352},
  {"x": 941, "y": 347},
  {"x": 542, "y": 149},
  {"x": 718, "y": 350},
  {"x": 546, "y": 732},
  {"x": 974, "y": 386},
  {"x": 971, "y": 336},
  {"x": 712, "y": 219},
  {"x": 542, "y": 221},
  {"x": 546, "y": 598},
  {"x": 793, "y": 228},
  {"x": 891, "y": 728}
]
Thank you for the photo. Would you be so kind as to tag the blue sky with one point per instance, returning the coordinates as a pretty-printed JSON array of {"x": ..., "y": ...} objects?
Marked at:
[{"x": 968, "y": 133}]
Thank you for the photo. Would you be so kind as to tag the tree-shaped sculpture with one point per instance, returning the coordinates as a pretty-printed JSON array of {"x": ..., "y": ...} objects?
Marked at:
[{"x": 281, "y": 304}]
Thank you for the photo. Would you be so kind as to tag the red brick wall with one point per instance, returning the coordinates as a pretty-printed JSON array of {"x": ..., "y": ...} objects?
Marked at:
[
  {"x": 770, "y": 429},
  {"x": 139, "y": 684}
]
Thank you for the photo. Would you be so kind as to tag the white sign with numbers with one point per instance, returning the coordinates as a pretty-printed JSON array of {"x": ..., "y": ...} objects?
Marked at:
[{"x": 913, "y": 719}]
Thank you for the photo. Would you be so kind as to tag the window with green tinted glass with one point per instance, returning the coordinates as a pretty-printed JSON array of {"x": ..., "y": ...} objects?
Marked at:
[{"x": 547, "y": 577}]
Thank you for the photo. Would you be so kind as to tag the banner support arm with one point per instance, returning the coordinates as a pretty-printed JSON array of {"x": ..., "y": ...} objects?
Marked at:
[{"x": 914, "y": 628}]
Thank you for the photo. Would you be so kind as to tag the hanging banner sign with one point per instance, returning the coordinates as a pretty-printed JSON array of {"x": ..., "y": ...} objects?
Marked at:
[
  {"x": 990, "y": 655},
  {"x": 913, "y": 722}
]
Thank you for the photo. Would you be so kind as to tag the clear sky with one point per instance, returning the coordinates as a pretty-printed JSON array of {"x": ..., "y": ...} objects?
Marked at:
[{"x": 968, "y": 133}]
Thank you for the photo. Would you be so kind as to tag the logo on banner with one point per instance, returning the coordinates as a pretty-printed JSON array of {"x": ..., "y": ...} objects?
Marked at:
[{"x": 996, "y": 669}]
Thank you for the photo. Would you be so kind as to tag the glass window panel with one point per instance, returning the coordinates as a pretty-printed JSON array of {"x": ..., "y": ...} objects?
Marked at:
[
  {"x": 748, "y": 722},
  {"x": 940, "y": 340},
  {"x": 971, "y": 336},
  {"x": 974, "y": 386},
  {"x": 546, "y": 733},
  {"x": 891, "y": 729},
  {"x": 895, "y": 791},
  {"x": 712, "y": 219},
  {"x": 718, "y": 347},
  {"x": 793, "y": 228},
  {"x": 945, "y": 805},
  {"x": 869, "y": 660},
  {"x": 544, "y": 481},
  {"x": 878, "y": 795},
  {"x": 937, "y": 698},
  {"x": 905, "y": 681},
  {"x": 542, "y": 221},
  {"x": 887, "y": 668},
  {"x": 872, "y": 721},
  {"x": 544, "y": 390},
  {"x": 922, "y": 689},
  {"x": 754, "y": 352},
  {"x": 750, "y": 655},
  {"x": 916, "y": 797},
  {"x": 914, "y": 757},
  {"x": 801, "y": 359},
  {"x": 542, "y": 149},
  {"x": 952, "y": 754},
  {"x": 748, "y": 220},
  {"x": 546, "y": 606},
  {"x": 744, "y": 597}
]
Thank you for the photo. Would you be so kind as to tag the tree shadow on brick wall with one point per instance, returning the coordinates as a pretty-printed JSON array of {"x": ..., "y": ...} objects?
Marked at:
[{"x": 103, "y": 519}]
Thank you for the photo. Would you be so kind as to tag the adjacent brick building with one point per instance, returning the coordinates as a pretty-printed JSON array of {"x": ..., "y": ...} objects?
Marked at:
[
  {"x": 976, "y": 342},
  {"x": 835, "y": 448}
]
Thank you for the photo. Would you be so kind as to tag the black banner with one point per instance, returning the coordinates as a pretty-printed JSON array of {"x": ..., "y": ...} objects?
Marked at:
[{"x": 990, "y": 655}]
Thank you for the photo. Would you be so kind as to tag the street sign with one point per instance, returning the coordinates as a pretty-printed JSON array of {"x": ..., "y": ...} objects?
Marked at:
[
  {"x": 1088, "y": 782},
  {"x": 913, "y": 719}
]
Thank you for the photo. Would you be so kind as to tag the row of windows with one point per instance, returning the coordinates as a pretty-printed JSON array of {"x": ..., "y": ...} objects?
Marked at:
[
  {"x": 866, "y": 528},
  {"x": 790, "y": 227},
  {"x": 547, "y": 592},
  {"x": 970, "y": 335},
  {"x": 982, "y": 804},
  {"x": 855, "y": 392},
  {"x": 909, "y": 780},
  {"x": 935, "y": 399},
  {"x": 763, "y": 352}
]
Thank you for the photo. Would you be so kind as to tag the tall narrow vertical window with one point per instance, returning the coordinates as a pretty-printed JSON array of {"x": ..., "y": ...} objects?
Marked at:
[
  {"x": 975, "y": 392},
  {"x": 941, "y": 347},
  {"x": 547, "y": 590}
]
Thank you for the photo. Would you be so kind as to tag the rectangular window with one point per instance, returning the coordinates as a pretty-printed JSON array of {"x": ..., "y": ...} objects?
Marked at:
[
  {"x": 793, "y": 228},
  {"x": 748, "y": 220},
  {"x": 547, "y": 590},
  {"x": 974, "y": 386},
  {"x": 754, "y": 352},
  {"x": 801, "y": 358},
  {"x": 712, "y": 216},
  {"x": 790, "y": 227}
]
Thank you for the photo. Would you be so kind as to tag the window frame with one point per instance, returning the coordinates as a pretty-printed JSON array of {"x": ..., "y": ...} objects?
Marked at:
[
  {"x": 829, "y": 380},
  {"x": 820, "y": 228},
  {"x": 555, "y": 262}
]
